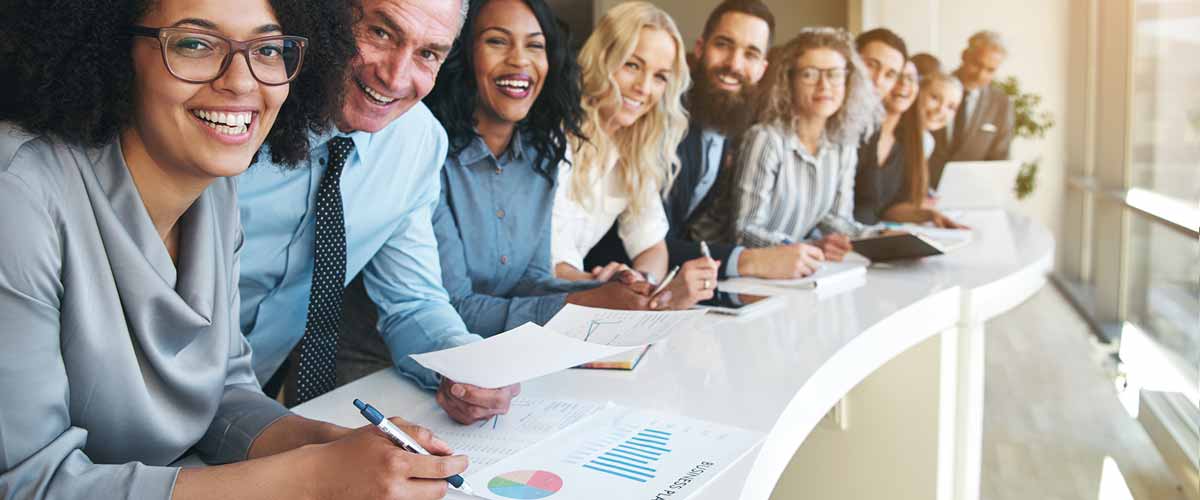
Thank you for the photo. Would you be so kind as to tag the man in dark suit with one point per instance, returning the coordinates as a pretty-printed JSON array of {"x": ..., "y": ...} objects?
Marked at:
[
  {"x": 727, "y": 62},
  {"x": 982, "y": 129}
]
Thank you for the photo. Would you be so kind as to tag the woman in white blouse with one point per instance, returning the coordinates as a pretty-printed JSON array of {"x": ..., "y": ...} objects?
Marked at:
[
  {"x": 797, "y": 166},
  {"x": 634, "y": 75}
]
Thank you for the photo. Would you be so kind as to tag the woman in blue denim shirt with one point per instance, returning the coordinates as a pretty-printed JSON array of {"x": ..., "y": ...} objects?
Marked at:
[{"x": 508, "y": 97}]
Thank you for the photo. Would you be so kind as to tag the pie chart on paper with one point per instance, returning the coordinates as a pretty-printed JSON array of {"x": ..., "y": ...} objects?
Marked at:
[{"x": 526, "y": 484}]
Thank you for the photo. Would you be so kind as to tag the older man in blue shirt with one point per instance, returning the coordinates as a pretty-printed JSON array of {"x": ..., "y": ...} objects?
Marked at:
[{"x": 363, "y": 204}]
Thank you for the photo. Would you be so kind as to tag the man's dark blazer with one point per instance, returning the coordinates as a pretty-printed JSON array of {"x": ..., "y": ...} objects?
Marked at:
[
  {"x": 986, "y": 135},
  {"x": 691, "y": 159}
]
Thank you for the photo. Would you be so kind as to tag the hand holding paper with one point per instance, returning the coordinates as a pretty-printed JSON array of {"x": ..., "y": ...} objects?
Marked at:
[{"x": 576, "y": 335}]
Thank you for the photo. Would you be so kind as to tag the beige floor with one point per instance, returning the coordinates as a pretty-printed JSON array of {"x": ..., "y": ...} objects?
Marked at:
[{"x": 1053, "y": 414}]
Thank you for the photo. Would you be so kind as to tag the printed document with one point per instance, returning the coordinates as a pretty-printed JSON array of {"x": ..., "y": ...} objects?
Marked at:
[
  {"x": 619, "y": 452},
  {"x": 576, "y": 335}
]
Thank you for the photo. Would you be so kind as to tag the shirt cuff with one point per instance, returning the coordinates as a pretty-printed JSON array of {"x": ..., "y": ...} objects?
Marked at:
[
  {"x": 244, "y": 414},
  {"x": 755, "y": 238},
  {"x": 424, "y": 377},
  {"x": 548, "y": 306},
  {"x": 567, "y": 287},
  {"x": 837, "y": 224},
  {"x": 731, "y": 263}
]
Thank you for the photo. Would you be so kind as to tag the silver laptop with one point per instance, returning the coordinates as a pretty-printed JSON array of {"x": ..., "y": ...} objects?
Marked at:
[{"x": 977, "y": 184}]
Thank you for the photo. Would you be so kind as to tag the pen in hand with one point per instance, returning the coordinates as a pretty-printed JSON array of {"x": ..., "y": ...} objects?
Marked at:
[
  {"x": 816, "y": 266},
  {"x": 666, "y": 281},
  {"x": 404, "y": 441}
]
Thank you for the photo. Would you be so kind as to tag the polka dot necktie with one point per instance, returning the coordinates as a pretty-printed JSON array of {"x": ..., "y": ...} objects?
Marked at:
[{"x": 316, "y": 372}]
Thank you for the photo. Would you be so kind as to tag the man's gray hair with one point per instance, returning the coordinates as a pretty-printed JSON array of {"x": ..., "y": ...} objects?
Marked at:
[
  {"x": 985, "y": 39},
  {"x": 462, "y": 18}
]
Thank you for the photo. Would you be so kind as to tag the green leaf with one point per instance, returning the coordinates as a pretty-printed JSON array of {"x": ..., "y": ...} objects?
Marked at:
[
  {"x": 1032, "y": 122},
  {"x": 1027, "y": 179}
]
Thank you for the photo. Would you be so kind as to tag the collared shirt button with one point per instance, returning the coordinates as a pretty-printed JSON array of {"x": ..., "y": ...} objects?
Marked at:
[
  {"x": 504, "y": 260},
  {"x": 500, "y": 214},
  {"x": 322, "y": 161}
]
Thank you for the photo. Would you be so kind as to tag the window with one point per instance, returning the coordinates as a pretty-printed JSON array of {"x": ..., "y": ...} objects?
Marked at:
[
  {"x": 1163, "y": 268},
  {"x": 1134, "y": 203},
  {"x": 1164, "y": 288},
  {"x": 1166, "y": 106}
]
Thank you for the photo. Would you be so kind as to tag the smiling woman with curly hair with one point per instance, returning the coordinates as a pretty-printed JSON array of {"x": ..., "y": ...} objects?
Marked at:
[
  {"x": 120, "y": 131},
  {"x": 796, "y": 166},
  {"x": 77, "y": 81}
]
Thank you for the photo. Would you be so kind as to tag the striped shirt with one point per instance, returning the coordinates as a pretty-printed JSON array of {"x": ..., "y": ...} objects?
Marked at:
[{"x": 784, "y": 192}]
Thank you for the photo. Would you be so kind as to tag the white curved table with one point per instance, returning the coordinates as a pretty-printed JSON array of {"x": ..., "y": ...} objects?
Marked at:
[{"x": 781, "y": 371}]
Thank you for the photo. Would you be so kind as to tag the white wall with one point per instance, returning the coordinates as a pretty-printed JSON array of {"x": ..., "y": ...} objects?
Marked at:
[
  {"x": 1038, "y": 36},
  {"x": 790, "y": 15}
]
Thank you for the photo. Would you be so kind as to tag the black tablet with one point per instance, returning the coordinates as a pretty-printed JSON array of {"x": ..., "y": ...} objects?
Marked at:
[
  {"x": 897, "y": 246},
  {"x": 732, "y": 303}
]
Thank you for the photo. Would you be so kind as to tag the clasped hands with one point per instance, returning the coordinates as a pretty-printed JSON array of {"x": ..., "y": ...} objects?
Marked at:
[{"x": 627, "y": 289}]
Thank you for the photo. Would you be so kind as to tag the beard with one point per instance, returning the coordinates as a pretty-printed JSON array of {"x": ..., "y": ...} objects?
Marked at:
[{"x": 729, "y": 114}]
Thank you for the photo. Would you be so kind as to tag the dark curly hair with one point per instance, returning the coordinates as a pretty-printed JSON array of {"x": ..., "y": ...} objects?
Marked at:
[
  {"x": 555, "y": 113},
  {"x": 68, "y": 71}
]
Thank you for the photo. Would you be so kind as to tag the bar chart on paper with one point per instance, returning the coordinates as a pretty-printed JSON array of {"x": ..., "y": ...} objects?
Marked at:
[
  {"x": 619, "y": 453},
  {"x": 634, "y": 458}
]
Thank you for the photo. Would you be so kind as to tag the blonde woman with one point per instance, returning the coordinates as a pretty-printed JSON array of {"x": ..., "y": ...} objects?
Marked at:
[
  {"x": 796, "y": 179},
  {"x": 633, "y": 78},
  {"x": 938, "y": 102}
]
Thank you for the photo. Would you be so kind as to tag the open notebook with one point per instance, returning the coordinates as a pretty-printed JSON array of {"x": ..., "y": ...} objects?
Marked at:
[{"x": 829, "y": 274}]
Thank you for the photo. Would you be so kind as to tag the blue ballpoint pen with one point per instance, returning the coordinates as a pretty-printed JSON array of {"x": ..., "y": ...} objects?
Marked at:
[{"x": 405, "y": 441}]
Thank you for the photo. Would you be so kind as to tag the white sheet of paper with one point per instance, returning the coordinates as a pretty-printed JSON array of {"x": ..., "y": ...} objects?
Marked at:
[
  {"x": 528, "y": 422},
  {"x": 948, "y": 239},
  {"x": 523, "y": 353},
  {"x": 829, "y": 274},
  {"x": 838, "y": 287},
  {"x": 619, "y": 453},
  {"x": 620, "y": 328},
  {"x": 574, "y": 336}
]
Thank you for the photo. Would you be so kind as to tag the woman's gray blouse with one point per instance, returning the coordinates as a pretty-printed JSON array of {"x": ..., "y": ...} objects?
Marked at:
[{"x": 114, "y": 362}]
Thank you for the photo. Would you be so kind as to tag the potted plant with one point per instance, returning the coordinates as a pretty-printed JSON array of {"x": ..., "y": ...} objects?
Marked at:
[{"x": 1030, "y": 122}]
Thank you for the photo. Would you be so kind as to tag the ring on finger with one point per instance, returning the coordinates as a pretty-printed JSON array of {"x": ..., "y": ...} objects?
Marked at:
[{"x": 707, "y": 284}]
